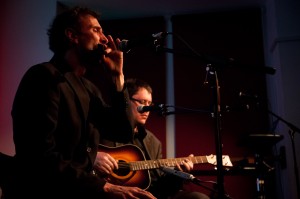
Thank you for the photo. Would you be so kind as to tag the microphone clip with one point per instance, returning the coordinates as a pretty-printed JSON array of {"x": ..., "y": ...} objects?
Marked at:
[{"x": 181, "y": 174}]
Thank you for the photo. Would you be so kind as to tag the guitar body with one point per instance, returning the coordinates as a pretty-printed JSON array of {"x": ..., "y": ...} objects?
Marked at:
[{"x": 125, "y": 175}]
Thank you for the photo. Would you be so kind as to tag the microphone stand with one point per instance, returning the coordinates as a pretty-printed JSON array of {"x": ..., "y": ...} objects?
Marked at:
[
  {"x": 292, "y": 130},
  {"x": 218, "y": 143},
  {"x": 216, "y": 115},
  {"x": 213, "y": 63}
]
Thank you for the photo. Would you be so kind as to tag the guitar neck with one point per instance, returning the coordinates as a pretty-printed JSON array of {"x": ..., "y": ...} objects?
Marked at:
[
  {"x": 131, "y": 158},
  {"x": 155, "y": 164}
]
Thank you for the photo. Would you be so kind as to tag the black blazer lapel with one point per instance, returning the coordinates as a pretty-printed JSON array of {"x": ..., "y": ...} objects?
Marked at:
[{"x": 81, "y": 92}]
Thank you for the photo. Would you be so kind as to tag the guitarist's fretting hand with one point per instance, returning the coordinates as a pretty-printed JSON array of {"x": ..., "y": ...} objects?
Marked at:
[
  {"x": 104, "y": 163},
  {"x": 186, "y": 165}
]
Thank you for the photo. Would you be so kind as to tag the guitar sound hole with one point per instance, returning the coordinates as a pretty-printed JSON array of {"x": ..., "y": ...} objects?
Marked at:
[{"x": 123, "y": 168}]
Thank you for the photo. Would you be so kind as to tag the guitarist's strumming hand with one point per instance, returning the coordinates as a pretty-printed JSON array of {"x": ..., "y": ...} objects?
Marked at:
[
  {"x": 105, "y": 163},
  {"x": 186, "y": 165}
]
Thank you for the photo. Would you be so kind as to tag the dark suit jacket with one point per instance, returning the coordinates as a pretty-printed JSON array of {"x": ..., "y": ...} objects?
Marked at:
[{"x": 58, "y": 119}]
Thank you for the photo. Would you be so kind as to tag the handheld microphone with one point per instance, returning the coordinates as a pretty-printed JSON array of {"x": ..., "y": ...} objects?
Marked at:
[
  {"x": 127, "y": 45},
  {"x": 142, "y": 109},
  {"x": 181, "y": 174}
]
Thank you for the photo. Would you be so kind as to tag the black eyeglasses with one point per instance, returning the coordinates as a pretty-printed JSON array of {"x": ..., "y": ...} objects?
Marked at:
[{"x": 142, "y": 102}]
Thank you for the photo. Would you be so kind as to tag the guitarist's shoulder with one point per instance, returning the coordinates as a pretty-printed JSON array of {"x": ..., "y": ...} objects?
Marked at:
[{"x": 150, "y": 137}]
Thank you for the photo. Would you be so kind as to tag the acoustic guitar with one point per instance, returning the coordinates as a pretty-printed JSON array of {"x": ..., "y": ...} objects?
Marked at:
[{"x": 134, "y": 168}]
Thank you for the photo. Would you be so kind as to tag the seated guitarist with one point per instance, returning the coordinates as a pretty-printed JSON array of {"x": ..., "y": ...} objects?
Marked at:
[{"x": 161, "y": 185}]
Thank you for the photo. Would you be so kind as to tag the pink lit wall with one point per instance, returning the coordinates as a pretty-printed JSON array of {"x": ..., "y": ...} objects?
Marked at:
[{"x": 23, "y": 42}]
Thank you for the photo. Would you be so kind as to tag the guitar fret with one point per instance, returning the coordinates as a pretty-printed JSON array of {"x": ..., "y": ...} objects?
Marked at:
[
  {"x": 154, "y": 164},
  {"x": 151, "y": 164},
  {"x": 147, "y": 165},
  {"x": 133, "y": 166},
  {"x": 142, "y": 166},
  {"x": 199, "y": 159},
  {"x": 179, "y": 161}
]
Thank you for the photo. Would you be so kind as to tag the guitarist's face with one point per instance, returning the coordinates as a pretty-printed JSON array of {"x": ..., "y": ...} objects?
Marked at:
[{"x": 140, "y": 98}]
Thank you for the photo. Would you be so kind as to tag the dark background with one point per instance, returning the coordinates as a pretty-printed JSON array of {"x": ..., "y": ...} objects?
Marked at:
[{"x": 216, "y": 37}]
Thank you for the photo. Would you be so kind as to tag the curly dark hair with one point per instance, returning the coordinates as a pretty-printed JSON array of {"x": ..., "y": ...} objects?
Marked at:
[
  {"x": 58, "y": 42},
  {"x": 133, "y": 85}
]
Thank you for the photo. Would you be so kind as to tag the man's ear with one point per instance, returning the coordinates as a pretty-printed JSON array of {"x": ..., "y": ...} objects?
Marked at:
[{"x": 72, "y": 35}]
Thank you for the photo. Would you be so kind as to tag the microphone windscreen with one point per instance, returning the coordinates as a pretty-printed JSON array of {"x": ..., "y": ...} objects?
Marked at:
[
  {"x": 140, "y": 109},
  {"x": 123, "y": 45}
]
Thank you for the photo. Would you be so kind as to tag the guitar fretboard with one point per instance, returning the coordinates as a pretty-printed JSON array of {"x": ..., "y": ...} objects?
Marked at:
[{"x": 154, "y": 164}]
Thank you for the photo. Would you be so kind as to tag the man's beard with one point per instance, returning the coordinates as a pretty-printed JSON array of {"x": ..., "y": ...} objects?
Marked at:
[{"x": 92, "y": 58}]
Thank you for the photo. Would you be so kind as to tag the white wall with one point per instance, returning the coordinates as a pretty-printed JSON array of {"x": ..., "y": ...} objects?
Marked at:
[{"x": 23, "y": 42}]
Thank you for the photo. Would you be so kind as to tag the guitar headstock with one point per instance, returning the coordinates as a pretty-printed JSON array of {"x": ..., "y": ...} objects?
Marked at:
[{"x": 212, "y": 159}]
